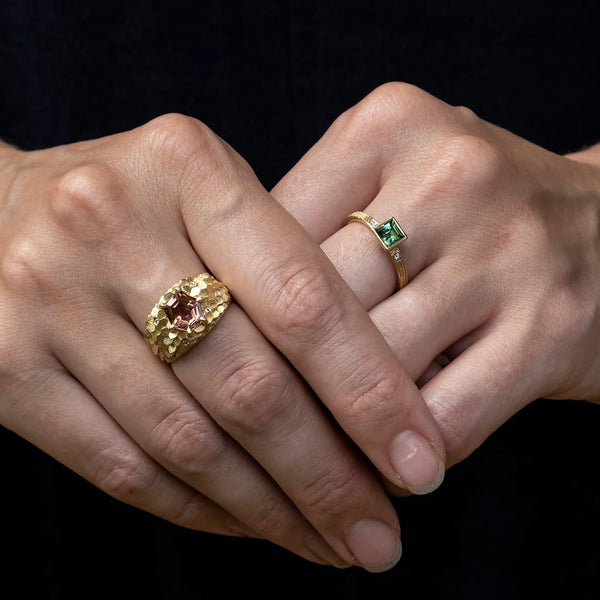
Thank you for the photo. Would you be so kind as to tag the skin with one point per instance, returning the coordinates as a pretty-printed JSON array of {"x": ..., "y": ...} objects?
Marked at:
[
  {"x": 231, "y": 440},
  {"x": 503, "y": 253}
]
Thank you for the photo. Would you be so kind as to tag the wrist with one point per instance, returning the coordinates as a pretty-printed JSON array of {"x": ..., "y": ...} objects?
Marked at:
[
  {"x": 589, "y": 155},
  {"x": 7, "y": 168},
  {"x": 581, "y": 197},
  {"x": 6, "y": 149}
]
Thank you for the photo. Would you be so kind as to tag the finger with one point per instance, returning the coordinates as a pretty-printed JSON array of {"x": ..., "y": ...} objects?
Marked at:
[
  {"x": 480, "y": 390},
  {"x": 446, "y": 298},
  {"x": 357, "y": 253},
  {"x": 371, "y": 159},
  {"x": 432, "y": 313},
  {"x": 68, "y": 424},
  {"x": 385, "y": 132},
  {"x": 297, "y": 299},
  {"x": 255, "y": 396},
  {"x": 144, "y": 397},
  {"x": 141, "y": 394},
  {"x": 359, "y": 257},
  {"x": 252, "y": 392},
  {"x": 432, "y": 370}
]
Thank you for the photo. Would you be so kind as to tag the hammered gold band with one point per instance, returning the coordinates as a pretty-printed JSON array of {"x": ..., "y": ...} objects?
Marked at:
[
  {"x": 184, "y": 315},
  {"x": 390, "y": 236}
]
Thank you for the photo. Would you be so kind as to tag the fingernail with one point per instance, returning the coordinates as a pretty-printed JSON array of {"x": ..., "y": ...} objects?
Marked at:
[
  {"x": 417, "y": 463},
  {"x": 374, "y": 545},
  {"x": 319, "y": 547}
]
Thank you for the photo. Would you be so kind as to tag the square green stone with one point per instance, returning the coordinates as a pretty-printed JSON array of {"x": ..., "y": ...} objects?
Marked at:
[{"x": 390, "y": 233}]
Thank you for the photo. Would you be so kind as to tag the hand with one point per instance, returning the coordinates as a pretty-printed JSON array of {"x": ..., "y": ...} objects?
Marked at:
[
  {"x": 229, "y": 439},
  {"x": 503, "y": 253}
]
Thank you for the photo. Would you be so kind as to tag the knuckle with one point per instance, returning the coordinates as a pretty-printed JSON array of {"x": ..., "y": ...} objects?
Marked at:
[
  {"x": 470, "y": 162},
  {"x": 174, "y": 132},
  {"x": 332, "y": 491},
  {"x": 373, "y": 401},
  {"x": 126, "y": 478},
  {"x": 271, "y": 518},
  {"x": 190, "y": 155},
  {"x": 393, "y": 102},
  {"x": 188, "y": 444},
  {"x": 395, "y": 93},
  {"x": 199, "y": 513},
  {"x": 233, "y": 199},
  {"x": 466, "y": 115},
  {"x": 254, "y": 398},
  {"x": 307, "y": 303},
  {"x": 87, "y": 202},
  {"x": 24, "y": 262},
  {"x": 390, "y": 107},
  {"x": 189, "y": 512},
  {"x": 173, "y": 124},
  {"x": 457, "y": 421},
  {"x": 180, "y": 143}
]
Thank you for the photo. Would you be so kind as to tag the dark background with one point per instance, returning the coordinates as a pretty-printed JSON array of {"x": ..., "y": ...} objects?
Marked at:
[{"x": 518, "y": 519}]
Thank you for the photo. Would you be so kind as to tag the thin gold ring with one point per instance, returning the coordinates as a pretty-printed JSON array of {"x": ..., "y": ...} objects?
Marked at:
[
  {"x": 390, "y": 236},
  {"x": 185, "y": 314}
]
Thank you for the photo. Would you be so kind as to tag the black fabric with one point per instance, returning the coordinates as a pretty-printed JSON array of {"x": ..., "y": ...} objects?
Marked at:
[{"x": 519, "y": 518}]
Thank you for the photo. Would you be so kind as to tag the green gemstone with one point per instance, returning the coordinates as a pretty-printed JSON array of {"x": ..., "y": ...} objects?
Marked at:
[{"x": 390, "y": 233}]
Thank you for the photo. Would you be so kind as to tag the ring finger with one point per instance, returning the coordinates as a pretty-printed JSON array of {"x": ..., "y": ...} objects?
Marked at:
[
  {"x": 253, "y": 393},
  {"x": 169, "y": 425}
]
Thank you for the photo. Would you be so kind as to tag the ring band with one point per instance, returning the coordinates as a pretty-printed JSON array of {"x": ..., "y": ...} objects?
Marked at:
[
  {"x": 184, "y": 315},
  {"x": 390, "y": 235}
]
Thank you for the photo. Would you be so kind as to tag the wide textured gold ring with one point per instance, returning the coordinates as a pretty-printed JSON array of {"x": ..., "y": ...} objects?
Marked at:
[
  {"x": 390, "y": 235},
  {"x": 185, "y": 314}
]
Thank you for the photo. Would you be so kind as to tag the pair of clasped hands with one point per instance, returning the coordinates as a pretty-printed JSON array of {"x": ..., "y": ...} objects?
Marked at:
[{"x": 317, "y": 396}]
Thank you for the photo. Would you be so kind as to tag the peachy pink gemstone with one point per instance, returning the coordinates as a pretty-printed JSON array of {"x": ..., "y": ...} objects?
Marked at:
[{"x": 184, "y": 311}]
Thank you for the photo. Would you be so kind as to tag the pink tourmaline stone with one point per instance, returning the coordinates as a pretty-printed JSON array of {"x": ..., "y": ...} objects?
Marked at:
[{"x": 184, "y": 312}]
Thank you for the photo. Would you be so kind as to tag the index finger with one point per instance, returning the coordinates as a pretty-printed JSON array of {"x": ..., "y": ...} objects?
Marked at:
[{"x": 294, "y": 294}]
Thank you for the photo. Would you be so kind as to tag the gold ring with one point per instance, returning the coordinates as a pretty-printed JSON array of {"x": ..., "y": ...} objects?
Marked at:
[
  {"x": 184, "y": 315},
  {"x": 390, "y": 235}
]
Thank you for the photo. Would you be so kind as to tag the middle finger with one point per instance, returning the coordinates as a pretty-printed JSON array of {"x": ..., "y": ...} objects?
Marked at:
[
  {"x": 253, "y": 394},
  {"x": 168, "y": 424}
]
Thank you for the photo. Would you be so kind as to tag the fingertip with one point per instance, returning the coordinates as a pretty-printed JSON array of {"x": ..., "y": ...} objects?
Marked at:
[
  {"x": 392, "y": 489},
  {"x": 324, "y": 553},
  {"x": 375, "y": 545},
  {"x": 416, "y": 463}
]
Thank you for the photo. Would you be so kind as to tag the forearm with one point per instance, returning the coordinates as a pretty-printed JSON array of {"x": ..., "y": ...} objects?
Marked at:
[{"x": 591, "y": 156}]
